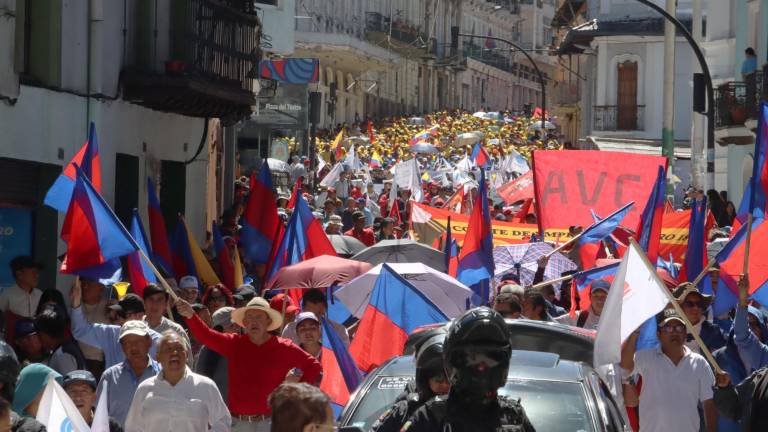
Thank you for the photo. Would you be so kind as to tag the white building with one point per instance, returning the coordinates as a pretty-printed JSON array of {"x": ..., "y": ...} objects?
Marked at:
[
  {"x": 151, "y": 76},
  {"x": 619, "y": 65}
]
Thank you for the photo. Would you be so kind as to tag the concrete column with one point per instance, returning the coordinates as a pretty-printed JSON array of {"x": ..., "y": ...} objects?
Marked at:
[{"x": 668, "y": 107}]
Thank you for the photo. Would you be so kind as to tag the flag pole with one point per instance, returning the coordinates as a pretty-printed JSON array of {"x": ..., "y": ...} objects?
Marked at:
[
  {"x": 747, "y": 243},
  {"x": 133, "y": 241},
  {"x": 704, "y": 350},
  {"x": 552, "y": 281}
]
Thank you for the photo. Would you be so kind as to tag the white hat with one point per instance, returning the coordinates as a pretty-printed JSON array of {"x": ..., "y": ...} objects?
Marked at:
[
  {"x": 134, "y": 327},
  {"x": 300, "y": 318},
  {"x": 189, "y": 282},
  {"x": 223, "y": 316},
  {"x": 258, "y": 303}
]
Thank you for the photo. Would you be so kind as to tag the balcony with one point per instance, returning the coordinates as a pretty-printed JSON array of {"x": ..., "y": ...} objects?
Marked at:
[
  {"x": 488, "y": 56},
  {"x": 403, "y": 36},
  {"x": 613, "y": 118},
  {"x": 212, "y": 63},
  {"x": 736, "y": 107}
]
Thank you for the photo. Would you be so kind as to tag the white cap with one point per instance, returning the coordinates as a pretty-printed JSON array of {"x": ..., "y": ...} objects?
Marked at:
[
  {"x": 189, "y": 282},
  {"x": 134, "y": 327}
]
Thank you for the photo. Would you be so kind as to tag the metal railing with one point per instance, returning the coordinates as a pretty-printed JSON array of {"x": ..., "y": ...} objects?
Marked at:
[
  {"x": 488, "y": 56},
  {"x": 219, "y": 42},
  {"x": 400, "y": 30},
  {"x": 738, "y": 101},
  {"x": 615, "y": 118}
]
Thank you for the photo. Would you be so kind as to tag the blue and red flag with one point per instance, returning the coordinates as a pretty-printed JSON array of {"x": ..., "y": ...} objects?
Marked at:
[
  {"x": 396, "y": 308},
  {"x": 758, "y": 197},
  {"x": 304, "y": 238},
  {"x": 87, "y": 158},
  {"x": 649, "y": 231},
  {"x": 696, "y": 254},
  {"x": 139, "y": 272},
  {"x": 581, "y": 284},
  {"x": 161, "y": 249},
  {"x": 182, "y": 260},
  {"x": 223, "y": 258},
  {"x": 479, "y": 156},
  {"x": 261, "y": 224},
  {"x": 731, "y": 260},
  {"x": 340, "y": 373},
  {"x": 476, "y": 257},
  {"x": 95, "y": 237},
  {"x": 451, "y": 250},
  {"x": 669, "y": 266},
  {"x": 603, "y": 228}
]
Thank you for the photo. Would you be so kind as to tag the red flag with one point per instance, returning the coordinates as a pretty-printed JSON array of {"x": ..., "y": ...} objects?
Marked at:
[
  {"x": 524, "y": 210},
  {"x": 370, "y": 132},
  {"x": 518, "y": 189}
]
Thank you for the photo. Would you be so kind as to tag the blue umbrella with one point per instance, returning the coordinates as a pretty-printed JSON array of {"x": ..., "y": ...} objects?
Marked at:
[{"x": 423, "y": 147}]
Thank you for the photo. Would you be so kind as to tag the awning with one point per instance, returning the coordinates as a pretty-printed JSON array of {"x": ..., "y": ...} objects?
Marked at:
[
  {"x": 582, "y": 35},
  {"x": 567, "y": 12},
  {"x": 635, "y": 146}
]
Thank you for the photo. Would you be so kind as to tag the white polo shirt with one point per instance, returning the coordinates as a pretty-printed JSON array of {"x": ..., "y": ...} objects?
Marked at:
[
  {"x": 670, "y": 394},
  {"x": 20, "y": 302}
]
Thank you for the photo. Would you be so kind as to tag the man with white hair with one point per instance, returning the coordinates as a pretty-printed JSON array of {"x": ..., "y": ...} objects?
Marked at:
[{"x": 177, "y": 398}]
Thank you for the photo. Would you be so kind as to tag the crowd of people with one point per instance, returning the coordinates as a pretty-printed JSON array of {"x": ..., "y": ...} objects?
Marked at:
[{"x": 216, "y": 357}]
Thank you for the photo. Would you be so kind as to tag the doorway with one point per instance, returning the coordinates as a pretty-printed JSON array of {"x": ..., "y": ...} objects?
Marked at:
[{"x": 626, "y": 99}]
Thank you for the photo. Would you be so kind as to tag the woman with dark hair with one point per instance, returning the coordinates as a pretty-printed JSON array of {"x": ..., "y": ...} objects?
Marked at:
[
  {"x": 717, "y": 206},
  {"x": 52, "y": 297},
  {"x": 216, "y": 297},
  {"x": 300, "y": 408},
  {"x": 730, "y": 213}
]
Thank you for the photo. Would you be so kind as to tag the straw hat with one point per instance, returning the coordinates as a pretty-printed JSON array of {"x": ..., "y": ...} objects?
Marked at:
[{"x": 258, "y": 303}]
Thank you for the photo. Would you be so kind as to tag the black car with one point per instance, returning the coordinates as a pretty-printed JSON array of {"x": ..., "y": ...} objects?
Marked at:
[{"x": 559, "y": 389}]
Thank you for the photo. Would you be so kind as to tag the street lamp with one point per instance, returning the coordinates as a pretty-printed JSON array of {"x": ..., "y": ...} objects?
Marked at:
[
  {"x": 704, "y": 69},
  {"x": 455, "y": 46}
]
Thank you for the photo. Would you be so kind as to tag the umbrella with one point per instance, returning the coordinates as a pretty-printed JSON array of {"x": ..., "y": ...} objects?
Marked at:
[
  {"x": 345, "y": 245},
  {"x": 480, "y": 114},
  {"x": 416, "y": 121},
  {"x": 277, "y": 165},
  {"x": 547, "y": 125},
  {"x": 521, "y": 259},
  {"x": 447, "y": 293},
  {"x": 424, "y": 147},
  {"x": 402, "y": 251},
  {"x": 468, "y": 138},
  {"x": 318, "y": 272}
]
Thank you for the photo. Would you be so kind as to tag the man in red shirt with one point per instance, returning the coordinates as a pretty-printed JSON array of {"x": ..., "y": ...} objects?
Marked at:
[
  {"x": 359, "y": 231},
  {"x": 258, "y": 361}
]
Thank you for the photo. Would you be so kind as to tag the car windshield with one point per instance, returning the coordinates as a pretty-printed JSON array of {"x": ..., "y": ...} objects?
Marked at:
[{"x": 553, "y": 406}]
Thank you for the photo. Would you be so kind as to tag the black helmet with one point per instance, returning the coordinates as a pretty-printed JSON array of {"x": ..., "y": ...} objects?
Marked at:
[
  {"x": 9, "y": 370},
  {"x": 429, "y": 364},
  {"x": 476, "y": 352},
  {"x": 415, "y": 340}
]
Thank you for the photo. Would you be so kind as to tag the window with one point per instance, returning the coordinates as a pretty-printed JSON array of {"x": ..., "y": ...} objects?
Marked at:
[{"x": 38, "y": 42}]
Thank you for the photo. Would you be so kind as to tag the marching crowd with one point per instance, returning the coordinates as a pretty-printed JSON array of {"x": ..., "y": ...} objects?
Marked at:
[{"x": 215, "y": 357}]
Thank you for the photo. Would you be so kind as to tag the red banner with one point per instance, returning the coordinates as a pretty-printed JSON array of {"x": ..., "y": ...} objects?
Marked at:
[
  {"x": 518, "y": 189},
  {"x": 568, "y": 183}
]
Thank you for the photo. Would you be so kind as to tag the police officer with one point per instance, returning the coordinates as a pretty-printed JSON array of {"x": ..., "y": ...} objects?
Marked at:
[
  {"x": 9, "y": 372},
  {"x": 476, "y": 356},
  {"x": 430, "y": 381}
]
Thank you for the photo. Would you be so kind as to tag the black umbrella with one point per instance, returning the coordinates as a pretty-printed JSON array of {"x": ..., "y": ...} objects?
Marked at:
[
  {"x": 345, "y": 245},
  {"x": 402, "y": 251}
]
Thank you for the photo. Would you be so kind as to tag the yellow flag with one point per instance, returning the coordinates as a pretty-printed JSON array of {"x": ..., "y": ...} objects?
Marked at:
[
  {"x": 238, "y": 270},
  {"x": 204, "y": 270}
]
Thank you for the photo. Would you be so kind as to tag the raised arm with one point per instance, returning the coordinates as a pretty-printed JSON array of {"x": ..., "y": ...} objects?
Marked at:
[{"x": 219, "y": 342}]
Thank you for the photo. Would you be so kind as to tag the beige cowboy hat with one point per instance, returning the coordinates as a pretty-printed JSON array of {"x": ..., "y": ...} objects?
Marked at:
[{"x": 258, "y": 303}]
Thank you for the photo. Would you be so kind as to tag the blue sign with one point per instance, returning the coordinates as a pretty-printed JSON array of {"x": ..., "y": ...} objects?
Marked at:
[{"x": 15, "y": 239}]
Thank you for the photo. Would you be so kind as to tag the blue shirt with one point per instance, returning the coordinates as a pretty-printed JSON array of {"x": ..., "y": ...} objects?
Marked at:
[
  {"x": 104, "y": 336},
  {"x": 121, "y": 384},
  {"x": 749, "y": 65}
]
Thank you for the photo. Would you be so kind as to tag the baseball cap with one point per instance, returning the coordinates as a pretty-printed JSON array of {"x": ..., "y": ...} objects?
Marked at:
[
  {"x": 189, "y": 281},
  {"x": 600, "y": 284},
  {"x": 335, "y": 220},
  {"x": 82, "y": 376},
  {"x": 130, "y": 303},
  {"x": 277, "y": 302},
  {"x": 304, "y": 316},
  {"x": 23, "y": 328},
  {"x": 244, "y": 292},
  {"x": 358, "y": 215},
  {"x": 134, "y": 327},
  {"x": 666, "y": 316},
  {"x": 223, "y": 316}
]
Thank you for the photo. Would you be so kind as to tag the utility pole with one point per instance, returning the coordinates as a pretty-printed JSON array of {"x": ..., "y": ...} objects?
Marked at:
[
  {"x": 698, "y": 159},
  {"x": 667, "y": 131}
]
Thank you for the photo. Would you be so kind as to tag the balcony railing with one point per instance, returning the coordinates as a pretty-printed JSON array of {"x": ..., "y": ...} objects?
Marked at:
[
  {"x": 615, "y": 118},
  {"x": 400, "y": 30},
  {"x": 738, "y": 101},
  {"x": 488, "y": 56}
]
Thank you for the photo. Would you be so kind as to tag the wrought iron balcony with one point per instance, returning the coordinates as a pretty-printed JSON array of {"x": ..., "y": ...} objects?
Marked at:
[
  {"x": 615, "y": 118},
  {"x": 736, "y": 102},
  {"x": 212, "y": 64},
  {"x": 402, "y": 34},
  {"x": 488, "y": 56}
]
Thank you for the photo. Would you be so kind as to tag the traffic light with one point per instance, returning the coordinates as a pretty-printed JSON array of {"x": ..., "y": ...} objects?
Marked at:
[
  {"x": 699, "y": 94},
  {"x": 454, "y": 39}
]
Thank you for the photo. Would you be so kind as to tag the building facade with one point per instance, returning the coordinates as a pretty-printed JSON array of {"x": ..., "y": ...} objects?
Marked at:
[{"x": 155, "y": 79}]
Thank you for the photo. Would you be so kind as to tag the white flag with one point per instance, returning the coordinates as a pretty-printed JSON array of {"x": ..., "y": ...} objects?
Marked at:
[
  {"x": 57, "y": 411},
  {"x": 465, "y": 164},
  {"x": 333, "y": 175},
  {"x": 407, "y": 176},
  {"x": 351, "y": 160},
  {"x": 636, "y": 295},
  {"x": 320, "y": 163},
  {"x": 101, "y": 417}
]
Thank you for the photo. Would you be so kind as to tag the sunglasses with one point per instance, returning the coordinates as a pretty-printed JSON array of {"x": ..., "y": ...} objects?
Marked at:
[
  {"x": 673, "y": 329},
  {"x": 700, "y": 304}
]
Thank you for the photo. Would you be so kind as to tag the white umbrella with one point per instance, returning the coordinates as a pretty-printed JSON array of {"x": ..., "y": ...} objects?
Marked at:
[
  {"x": 480, "y": 114},
  {"x": 468, "y": 138},
  {"x": 548, "y": 125},
  {"x": 278, "y": 165},
  {"x": 447, "y": 293}
]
